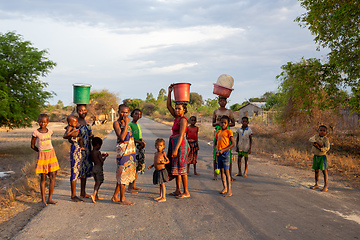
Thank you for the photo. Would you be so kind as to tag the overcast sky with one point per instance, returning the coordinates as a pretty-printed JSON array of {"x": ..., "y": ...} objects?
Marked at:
[{"x": 139, "y": 46}]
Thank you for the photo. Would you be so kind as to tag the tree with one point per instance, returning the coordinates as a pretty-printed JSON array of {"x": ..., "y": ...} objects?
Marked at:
[
  {"x": 22, "y": 93},
  {"x": 336, "y": 25},
  {"x": 235, "y": 107},
  {"x": 150, "y": 98},
  {"x": 101, "y": 102},
  {"x": 162, "y": 94},
  {"x": 196, "y": 99}
]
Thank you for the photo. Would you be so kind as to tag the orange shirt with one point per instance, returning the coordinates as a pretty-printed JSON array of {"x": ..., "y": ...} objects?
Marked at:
[{"x": 223, "y": 138}]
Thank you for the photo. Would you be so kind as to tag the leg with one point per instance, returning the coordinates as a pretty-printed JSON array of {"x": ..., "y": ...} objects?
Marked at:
[
  {"x": 115, "y": 197},
  {"x": 42, "y": 187},
  {"x": 230, "y": 170},
  {"x": 246, "y": 166},
  {"x": 162, "y": 193},
  {"x": 326, "y": 179},
  {"x": 316, "y": 186},
  {"x": 159, "y": 197},
  {"x": 74, "y": 198},
  {"x": 123, "y": 201},
  {"x": 81, "y": 143},
  {"x": 239, "y": 166},
  {"x": 134, "y": 186},
  {"x": 188, "y": 169},
  {"x": 223, "y": 179},
  {"x": 96, "y": 189},
  {"x": 83, "y": 187},
  {"x": 185, "y": 185},
  {"x": 195, "y": 172},
  {"x": 51, "y": 188},
  {"x": 228, "y": 181},
  {"x": 215, "y": 175}
]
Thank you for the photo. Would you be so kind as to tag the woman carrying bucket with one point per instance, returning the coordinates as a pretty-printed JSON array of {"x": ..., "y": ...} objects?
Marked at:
[{"x": 178, "y": 147}]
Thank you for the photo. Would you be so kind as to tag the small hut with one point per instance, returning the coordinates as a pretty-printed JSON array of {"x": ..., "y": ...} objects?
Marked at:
[{"x": 251, "y": 109}]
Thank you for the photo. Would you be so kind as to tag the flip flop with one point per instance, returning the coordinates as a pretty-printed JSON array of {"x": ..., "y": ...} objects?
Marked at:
[
  {"x": 182, "y": 196},
  {"x": 173, "y": 194}
]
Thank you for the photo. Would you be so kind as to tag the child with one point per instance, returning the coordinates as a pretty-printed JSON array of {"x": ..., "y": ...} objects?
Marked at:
[
  {"x": 46, "y": 163},
  {"x": 243, "y": 145},
  {"x": 73, "y": 132},
  {"x": 140, "y": 148},
  {"x": 321, "y": 145},
  {"x": 160, "y": 174},
  {"x": 192, "y": 137},
  {"x": 224, "y": 142},
  {"x": 217, "y": 114},
  {"x": 98, "y": 159}
]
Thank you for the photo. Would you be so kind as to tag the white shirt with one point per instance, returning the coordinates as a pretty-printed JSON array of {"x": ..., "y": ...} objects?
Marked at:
[{"x": 244, "y": 138}]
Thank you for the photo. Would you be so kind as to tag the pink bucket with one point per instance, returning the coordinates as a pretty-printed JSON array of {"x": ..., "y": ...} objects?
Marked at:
[
  {"x": 182, "y": 92},
  {"x": 222, "y": 91}
]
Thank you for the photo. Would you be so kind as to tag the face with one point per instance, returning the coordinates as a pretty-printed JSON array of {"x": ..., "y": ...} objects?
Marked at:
[
  {"x": 322, "y": 131},
  {"x": 179, "y": 110},
  {"x": 82, "y": 111},
  {"x": 136, "y": 115},
  {"x": 192, "y": 121},
  {"x": 73, "y": 122},
  {"x": 222, "y": 102},
  {"x": 244, "y": 122},
  {"x": 123, "y": 112},
  {"x": 224, "y": 123},
  {"x": 43, "y": 122},
  {"x": 160, "y": 146}
]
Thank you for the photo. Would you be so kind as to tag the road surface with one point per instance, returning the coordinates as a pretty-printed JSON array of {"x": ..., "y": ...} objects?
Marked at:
[{"x": 274, "y": 202}]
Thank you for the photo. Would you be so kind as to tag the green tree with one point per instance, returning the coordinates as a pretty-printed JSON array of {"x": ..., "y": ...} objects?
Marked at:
[
  {"x": 162, "y": 94},
  {"x": 212, "y": 103},
  {"x": 196, "y": 99},
  {"x": 150, "y": 98},
  {"x": 101, "y": 102},
  {"x": 336, "y": 25},
  {"x": 22, "y": 93},
  {"x": 235, "y": 107}
]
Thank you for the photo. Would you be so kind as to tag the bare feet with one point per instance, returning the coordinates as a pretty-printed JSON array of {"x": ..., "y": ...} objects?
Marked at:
[
  {"x": 228, "y": 194},
  {"x": 138, "y": 189},
  {"x": 85, "y": 196},
  {"x": 189, "y": 175},
  {"x": 175, "y": 193},
  {"x": 99, "y": 198},
  {"x": 93, "y": 198},
  {"x": 314, "y": 187},
  {"x": 44, "y": 204},
  {"x": 233, "y": 179},
  {"x": 245, "y": 176},
  {"x": 157, "y": 198},
  {"x": 197, "y": 174},
  {"x": 237, "y": 174},
  {"x": 51, "y": 202},
  {"x": 325, "y": 189},
  {"x": 162, "y": 200},
  {"x": 223, "y": 191},
  {"x": 215, "y": 179},
  {"x": 126, "y": 202},
  {"x": 115, "y": 199},
  {"x": 76, "y": 199},
  {"x": 131, "y": 191}
]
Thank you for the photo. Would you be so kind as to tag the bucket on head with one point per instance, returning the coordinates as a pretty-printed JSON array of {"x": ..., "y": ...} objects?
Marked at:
[
  {"x": 81, "y": 93},
  {"x": 182, "y": 92},
  {"x": 222, "y": 91}
]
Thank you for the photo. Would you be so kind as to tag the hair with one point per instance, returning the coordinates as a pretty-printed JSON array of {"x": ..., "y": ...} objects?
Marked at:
[
  {"x": 43, "y": 115},
  {"x": 192, "y": 117},
  {"x": 159, "y": 140},
  {"x": 70, "y": 117},
  {"x": 133, "y": 111},
  {"x": 79, "y": 105},
  {"x": 221, "y": 97},
  {"x": 323, "y": 127},
  {"x": 225, "y": 117},
  {"x": 96, "y": 140},
  {"x": 184, "y": 105},
  {"x": 246, "y": 118},
  {"x": 122, "y": 106}
]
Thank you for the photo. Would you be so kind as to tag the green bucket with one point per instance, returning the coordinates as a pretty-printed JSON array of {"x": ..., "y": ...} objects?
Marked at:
[{"x": 81, "y": 93}]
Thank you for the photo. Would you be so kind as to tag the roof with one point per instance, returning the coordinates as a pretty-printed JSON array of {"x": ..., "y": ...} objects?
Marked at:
[{"x": 256, "y": 104}]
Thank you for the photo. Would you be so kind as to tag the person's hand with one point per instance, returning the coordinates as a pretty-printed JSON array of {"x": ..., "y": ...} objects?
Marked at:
[
  {"x": 174, "y": 153},
  {"x": 91, "y": 136},
  {"x": 316, "y": 145},
  {"x": 170, "y": 88},
  {"x": 320, "y": 145},
  {"x": 149, "y": 167},
  {"x": 126, "y": 120}
]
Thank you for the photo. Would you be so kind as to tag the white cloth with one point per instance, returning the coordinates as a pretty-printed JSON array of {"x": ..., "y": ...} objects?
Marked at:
[{"x": 244, "y": 139}]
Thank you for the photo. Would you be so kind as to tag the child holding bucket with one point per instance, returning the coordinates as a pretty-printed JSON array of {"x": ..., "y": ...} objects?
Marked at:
[{"x": 217, "y": 114}]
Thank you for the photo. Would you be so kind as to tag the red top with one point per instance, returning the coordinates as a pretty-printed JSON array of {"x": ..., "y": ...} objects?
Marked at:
[
  {"x": 192, "y": 133},
  {"x": 176, "y": 127}
]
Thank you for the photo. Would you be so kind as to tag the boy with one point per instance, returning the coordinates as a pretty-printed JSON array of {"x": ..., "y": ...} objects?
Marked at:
[
  {"x": 217, "y": 114},
  {"x": 224, "y": 142},
  {"x": 320, "y": 147},
  {"x": 72, "y": 132},
  {"x": 243, "y": 145},
  {"x": 97, "y": 171}
]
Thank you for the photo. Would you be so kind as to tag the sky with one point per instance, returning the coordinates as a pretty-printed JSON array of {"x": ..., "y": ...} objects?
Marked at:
[{"x": 136, "y": 47}]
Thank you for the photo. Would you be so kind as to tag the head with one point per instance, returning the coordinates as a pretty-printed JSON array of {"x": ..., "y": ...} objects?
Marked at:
[
  {"x": 123, "y": 111},
  {"x": 136, "y": 114},
  {"x": 192, "y": 120},
  {"x": 180, "y": 109},
  {"x": 322, "y": 131},
  {"x": 43, "y": 120},
  {"x": 159, "y": 144},
  {"x": 222, "y": 101},
  {"x": 96, "y": 142},
  {"x": 72, "y": 120},
  {"x": 81, "y": 110},
  {"x": 224, "y": 122},
  {"x": 245, "y": 121}
]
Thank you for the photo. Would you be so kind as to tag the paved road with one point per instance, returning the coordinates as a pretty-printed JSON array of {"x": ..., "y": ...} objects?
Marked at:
[{"x": 272, "y": 203}]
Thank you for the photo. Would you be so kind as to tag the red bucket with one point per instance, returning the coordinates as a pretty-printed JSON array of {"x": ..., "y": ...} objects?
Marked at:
[
  {"x": 182, "y": 92},
  {"x": 222, "y": 91}
]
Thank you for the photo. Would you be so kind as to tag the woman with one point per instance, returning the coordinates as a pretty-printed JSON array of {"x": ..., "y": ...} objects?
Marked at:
[
  {"x": 178, "y": 147},
  {"x": 81, "y": 165},
  {"x": 125, "y": 158}
]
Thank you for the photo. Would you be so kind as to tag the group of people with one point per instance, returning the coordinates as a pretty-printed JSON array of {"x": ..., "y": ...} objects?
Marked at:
[{"x": 130, "y": 149}]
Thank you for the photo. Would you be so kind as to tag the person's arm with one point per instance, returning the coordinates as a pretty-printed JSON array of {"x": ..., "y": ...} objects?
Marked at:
[
  {"x": 214, "y": 122},
  {"x": 121, "y": 132},
  {"x": 326, "y": 146},
  {"x": 250, "y": 138},
  {"x": 183, "y": 124},
  {"x": 232, "y": 119},
  {"x": 33, "y": 141},
  {"x": 166, "y": 158},
  {"x": 237, "y": 140},
  {"x": 69, "y": 133},
  {"x": 168, "y": 101}
]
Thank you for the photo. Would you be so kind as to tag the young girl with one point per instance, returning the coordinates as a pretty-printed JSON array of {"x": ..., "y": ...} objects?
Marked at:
[
  {"x": 140, "y": 148},
  {"x": 192, "y": 137},
  {"x": 46, "y": 163},
  {"x": 160, "y": 174}
]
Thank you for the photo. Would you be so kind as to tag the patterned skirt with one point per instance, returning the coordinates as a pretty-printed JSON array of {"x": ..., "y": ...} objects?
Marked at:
[
  {"x": 126, "y": 169},
  {"x": 192, "y": 158},
  {"x": 46, "y": 162},
  {"x": 177, "y": 165}
]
